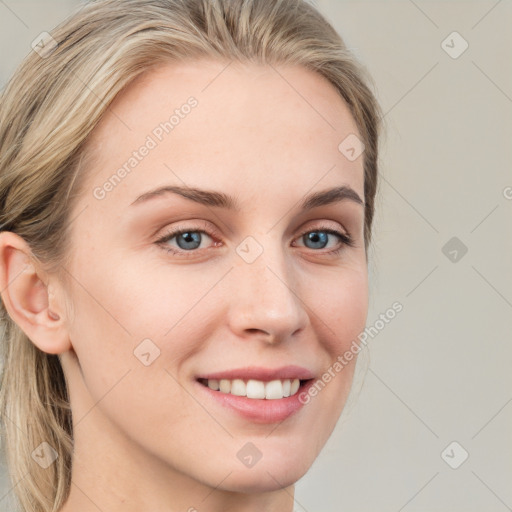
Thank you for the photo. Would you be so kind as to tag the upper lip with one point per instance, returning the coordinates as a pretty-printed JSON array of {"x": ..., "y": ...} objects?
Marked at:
[{"x": 260, "y": 373}]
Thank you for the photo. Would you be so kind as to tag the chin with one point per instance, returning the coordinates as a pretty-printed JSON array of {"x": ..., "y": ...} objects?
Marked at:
[
  {"x": 277, "y": 468},
  {"x": 262, "y": 479}
]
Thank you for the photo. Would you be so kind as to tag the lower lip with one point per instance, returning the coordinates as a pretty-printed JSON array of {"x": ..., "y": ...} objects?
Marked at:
[{"x": 259, "y": 410}]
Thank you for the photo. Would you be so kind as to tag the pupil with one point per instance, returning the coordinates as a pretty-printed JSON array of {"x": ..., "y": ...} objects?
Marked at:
[
  {"x": 189, "y": 237},
  {"x": 317, "y": 237}
]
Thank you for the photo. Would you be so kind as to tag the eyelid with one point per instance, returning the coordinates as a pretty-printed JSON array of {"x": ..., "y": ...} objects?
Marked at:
[
  {"x": 202, "y": 226},
  {"x": 344, "y": 235},
  {"x": 170, "y": 233}
]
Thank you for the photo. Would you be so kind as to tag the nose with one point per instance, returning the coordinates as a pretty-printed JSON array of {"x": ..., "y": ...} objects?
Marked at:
[{"x": 265, "y": 301}]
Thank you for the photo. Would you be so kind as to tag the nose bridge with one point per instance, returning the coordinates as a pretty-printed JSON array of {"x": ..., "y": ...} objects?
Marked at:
[{"x": 266, "y": 296}]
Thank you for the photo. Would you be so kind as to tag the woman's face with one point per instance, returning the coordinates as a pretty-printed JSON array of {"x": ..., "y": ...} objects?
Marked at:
[{"x": 241, "y": 295}]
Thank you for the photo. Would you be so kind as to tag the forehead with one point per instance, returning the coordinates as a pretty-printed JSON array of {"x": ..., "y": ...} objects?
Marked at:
[{"x": 224, "y": 123}]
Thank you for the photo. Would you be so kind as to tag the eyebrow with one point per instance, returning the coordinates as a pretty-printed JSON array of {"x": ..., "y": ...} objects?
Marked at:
[{"x": 222, "y": 200}]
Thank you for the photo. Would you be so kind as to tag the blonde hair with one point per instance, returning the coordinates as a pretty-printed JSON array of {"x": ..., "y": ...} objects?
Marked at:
[{"x": 47, "y": 111}]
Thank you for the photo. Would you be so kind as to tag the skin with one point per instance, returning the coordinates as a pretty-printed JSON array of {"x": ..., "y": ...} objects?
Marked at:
[{"x": 144, "y": 439}]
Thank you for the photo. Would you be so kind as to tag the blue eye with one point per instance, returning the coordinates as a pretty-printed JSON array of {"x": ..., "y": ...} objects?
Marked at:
[
  {"x": 189, "y": 239},
  {"x": 321, "y": 236}
]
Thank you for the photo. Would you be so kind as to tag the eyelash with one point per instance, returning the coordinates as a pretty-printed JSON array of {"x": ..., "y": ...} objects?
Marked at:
[{"x": 345, "y": 238}]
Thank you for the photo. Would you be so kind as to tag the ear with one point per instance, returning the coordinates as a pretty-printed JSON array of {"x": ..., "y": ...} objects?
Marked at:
[{"x": 26, "y": 294}]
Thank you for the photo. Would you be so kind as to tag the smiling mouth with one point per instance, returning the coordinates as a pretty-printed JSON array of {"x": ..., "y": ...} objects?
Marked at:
[{"x": 256, "y": 389}]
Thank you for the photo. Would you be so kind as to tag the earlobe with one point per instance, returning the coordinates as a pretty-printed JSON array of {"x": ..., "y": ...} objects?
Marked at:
[{"x": 26, "y": 296}]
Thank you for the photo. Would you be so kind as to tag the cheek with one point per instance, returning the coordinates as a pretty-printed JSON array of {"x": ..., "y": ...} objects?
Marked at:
[
  {"x": 114, "y": 314},
  {"x": 343, "y": 307},
  {"x": 153, "y": 296},
  {"x": 144, "y": 403}
]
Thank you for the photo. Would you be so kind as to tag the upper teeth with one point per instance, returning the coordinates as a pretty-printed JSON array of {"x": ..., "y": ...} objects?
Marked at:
[{"x": 271, "y": 390}]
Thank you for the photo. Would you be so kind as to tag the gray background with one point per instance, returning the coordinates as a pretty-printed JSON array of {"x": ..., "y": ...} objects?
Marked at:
[{"x": 440, "y": 371}]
